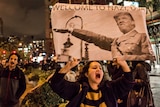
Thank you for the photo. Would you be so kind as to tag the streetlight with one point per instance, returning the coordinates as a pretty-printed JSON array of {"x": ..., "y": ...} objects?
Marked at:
[{"x": 68, "y": 43}]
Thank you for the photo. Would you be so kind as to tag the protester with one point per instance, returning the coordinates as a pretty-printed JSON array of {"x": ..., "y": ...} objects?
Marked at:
[
  {"x": 12, "y": 83},
  {"x": 141, "y": 94},
  {"x": 45, "y": 65},
  {"x": 90, "y": 88},
  {"x": 3, "y": 65}
]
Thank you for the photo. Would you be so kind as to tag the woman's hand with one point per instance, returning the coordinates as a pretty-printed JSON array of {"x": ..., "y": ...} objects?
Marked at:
[
  {"x": 119, "y": 61},
  {"x": 69, "y": 65}
]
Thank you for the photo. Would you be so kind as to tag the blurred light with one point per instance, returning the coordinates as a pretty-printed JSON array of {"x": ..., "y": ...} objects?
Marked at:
[
  {"x": 119, "y": 1},
  {"x": 4, "y": 52},
  {"x": 110, "y": 3},
  {"x": 13, "y": 51},
  {"x": 20, "y": 44},
  {"x": 30, "y": 44},
  {"x": 20, "y": 49},
  {"x": 131, "y": 3},
  {"x": 26, "y": 50},
  {"x": 50, "y": 6}
]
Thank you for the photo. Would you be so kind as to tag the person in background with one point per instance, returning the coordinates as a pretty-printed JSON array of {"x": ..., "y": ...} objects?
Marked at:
[
  {"x": 13, "y": 83},
  {"x": 3, "y": 65},
  {"x": 141, "y": 94},
  {"x": 91, "y": 89},
  {"x": 45, "y": 65}
]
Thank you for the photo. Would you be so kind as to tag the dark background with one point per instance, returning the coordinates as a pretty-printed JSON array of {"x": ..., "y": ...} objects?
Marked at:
[{"x": 23, "y": 17}]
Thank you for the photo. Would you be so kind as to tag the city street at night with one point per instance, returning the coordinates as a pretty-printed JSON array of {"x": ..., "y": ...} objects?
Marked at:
[{"x": 74, "y": 53}]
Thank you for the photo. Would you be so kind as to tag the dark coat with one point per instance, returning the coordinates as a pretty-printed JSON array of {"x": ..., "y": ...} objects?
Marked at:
[
  {"x": 144, "y": 98},
  {"x": 71, "y": 91},
  {"x": 12, "y": 86}
]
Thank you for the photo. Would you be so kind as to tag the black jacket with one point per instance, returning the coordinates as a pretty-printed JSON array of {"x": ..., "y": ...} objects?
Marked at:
[
  {"x": 12, "y": 86},
  {"x": 111, "y": 90}
]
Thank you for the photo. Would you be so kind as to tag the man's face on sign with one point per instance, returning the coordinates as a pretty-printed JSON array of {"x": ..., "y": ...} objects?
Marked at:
[{"x": 125, "y": 23}]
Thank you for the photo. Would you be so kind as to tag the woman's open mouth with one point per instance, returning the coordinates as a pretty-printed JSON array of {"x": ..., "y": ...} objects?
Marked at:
[{"x": 98, "y": 75}]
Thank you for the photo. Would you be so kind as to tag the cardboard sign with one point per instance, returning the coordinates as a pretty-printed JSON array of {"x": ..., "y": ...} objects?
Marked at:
[{"x": 100, "y": 32}]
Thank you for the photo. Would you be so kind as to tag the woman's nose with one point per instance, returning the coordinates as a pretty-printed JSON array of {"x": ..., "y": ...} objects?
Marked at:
[{"x": 99, "y": 69}]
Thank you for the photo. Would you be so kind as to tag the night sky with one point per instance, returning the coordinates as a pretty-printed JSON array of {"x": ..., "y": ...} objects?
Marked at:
[{"x": 23, "y": 17}]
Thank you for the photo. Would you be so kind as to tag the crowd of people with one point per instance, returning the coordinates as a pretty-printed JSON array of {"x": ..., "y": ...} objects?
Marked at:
[
  {"x": 83, "y": 83},
  {"x": 130, "y": 88},
  {"x": 13, "y": 80},
  {"x": 129, "y": 85}
]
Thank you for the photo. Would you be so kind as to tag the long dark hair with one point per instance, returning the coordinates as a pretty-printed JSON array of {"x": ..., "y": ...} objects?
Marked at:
[{"x": 82, "y": 78}]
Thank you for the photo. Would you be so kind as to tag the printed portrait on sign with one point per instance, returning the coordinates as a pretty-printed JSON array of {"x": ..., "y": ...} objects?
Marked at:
[{"x": 100, "y": 32}]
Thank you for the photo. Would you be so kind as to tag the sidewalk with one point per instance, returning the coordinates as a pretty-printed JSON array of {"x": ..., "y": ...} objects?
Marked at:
[
  {"x": 155, "y": 71},
  {"x": 155, "y": 85}
]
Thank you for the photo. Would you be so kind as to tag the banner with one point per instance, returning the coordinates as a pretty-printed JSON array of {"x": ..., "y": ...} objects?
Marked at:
[{"x": 100, "y": 32}]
